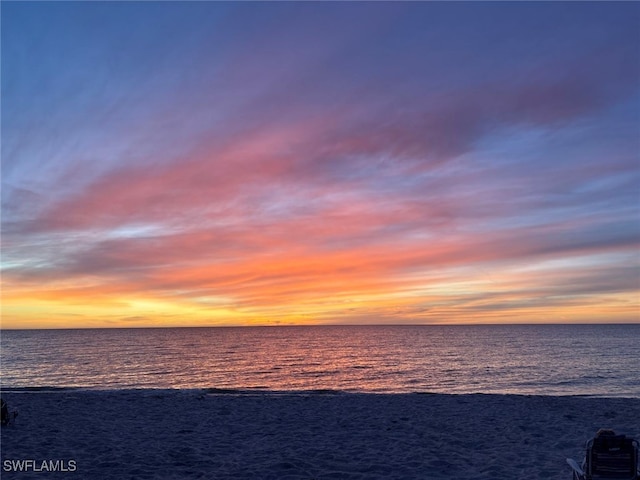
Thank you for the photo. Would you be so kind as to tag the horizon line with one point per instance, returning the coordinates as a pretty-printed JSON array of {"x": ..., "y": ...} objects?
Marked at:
[{"x": 161, "y": 327}]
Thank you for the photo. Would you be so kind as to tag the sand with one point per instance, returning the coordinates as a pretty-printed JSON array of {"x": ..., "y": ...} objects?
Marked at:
[{"x": 165, "y": 434}]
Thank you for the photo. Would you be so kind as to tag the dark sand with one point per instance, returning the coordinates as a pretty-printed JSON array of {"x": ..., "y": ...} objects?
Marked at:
[{"x": 160, "y": 434}]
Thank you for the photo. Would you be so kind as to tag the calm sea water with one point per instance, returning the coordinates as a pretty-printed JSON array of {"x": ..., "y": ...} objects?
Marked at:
[{"x": 600, "y": 360}]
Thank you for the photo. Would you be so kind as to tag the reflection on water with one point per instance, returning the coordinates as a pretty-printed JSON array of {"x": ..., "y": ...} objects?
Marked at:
[{"x": 552, "y": 359}]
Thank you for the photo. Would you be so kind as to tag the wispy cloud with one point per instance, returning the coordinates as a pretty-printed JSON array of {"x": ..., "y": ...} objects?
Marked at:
[{"x": 320, "y": 163}]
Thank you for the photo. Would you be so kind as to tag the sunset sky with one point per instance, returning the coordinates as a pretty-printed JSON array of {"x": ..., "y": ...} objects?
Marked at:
[{"x": 196, "y": 163}]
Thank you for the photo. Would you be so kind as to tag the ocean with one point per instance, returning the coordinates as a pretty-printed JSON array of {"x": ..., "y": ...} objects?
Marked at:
[{"x": 593, "y": 360}]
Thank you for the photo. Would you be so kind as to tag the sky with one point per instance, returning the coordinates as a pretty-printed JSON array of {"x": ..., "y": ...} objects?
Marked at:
[{"x": 214, "y": 163}]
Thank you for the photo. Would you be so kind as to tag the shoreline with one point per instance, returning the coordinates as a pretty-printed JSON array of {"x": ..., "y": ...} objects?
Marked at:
[
  {"x": 161, "y": 433},
  {"x": 267, "y": 392}
]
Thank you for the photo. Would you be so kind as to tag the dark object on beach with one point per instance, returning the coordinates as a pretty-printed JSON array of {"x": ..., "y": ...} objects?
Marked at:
[
  {"x": 4, "y": 412},
  {"x": 609, "y": 456},
  {"x": 5, "y": 416}
]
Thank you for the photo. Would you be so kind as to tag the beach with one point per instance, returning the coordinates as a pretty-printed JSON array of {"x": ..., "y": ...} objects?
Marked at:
[{"x": 214, "y": 434}]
